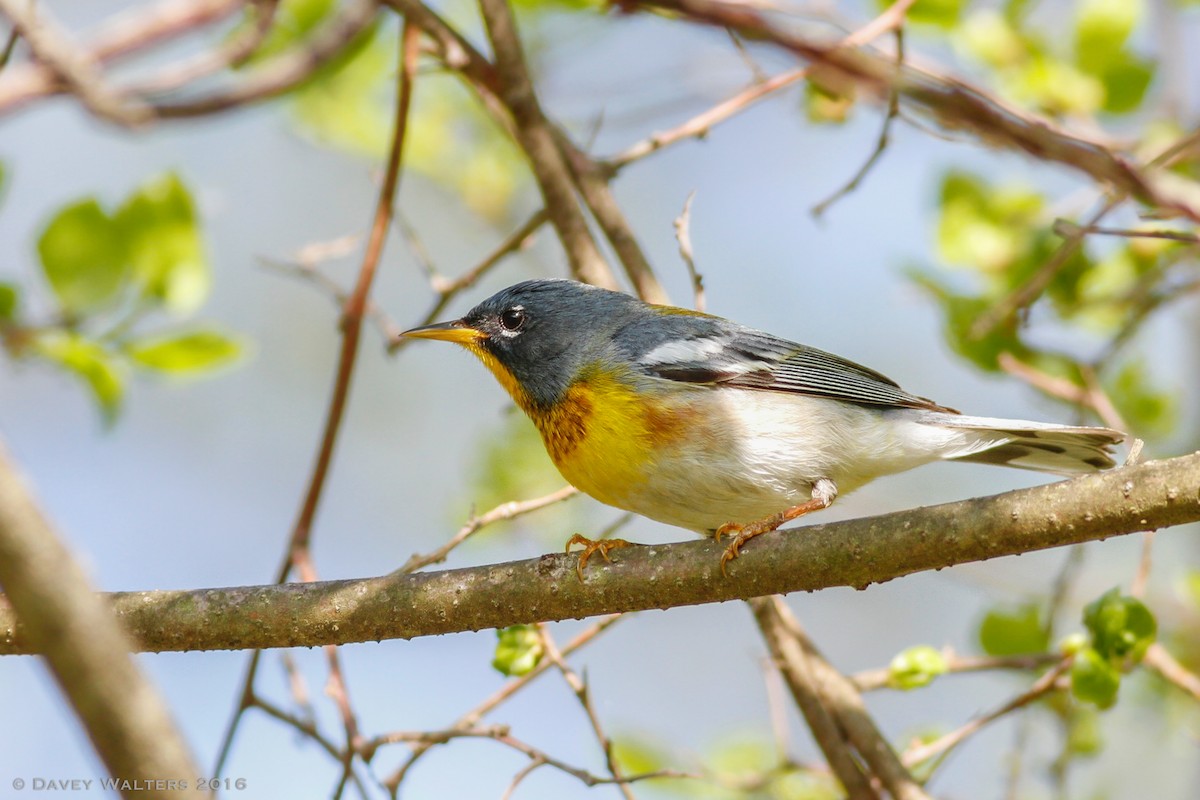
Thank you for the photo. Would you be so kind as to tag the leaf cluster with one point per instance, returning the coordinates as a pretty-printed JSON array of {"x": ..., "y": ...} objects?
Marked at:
[{"x": 110, "y": 274}]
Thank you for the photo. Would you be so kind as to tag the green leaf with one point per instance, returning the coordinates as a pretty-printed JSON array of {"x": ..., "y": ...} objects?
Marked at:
[
  {"x": 348, "y": 105},
  {"x": 1084, "y": 737},
  {"x": 915, "y": 667},
  {"x": 1191, "y": 588},
  {"x": 992, "y": 39},
  {"x": 1125, "y": 82},
  {"x": 1013, "y": 631},
  {"x": 942, "y": 13},
  {"x": 185, "y": 354},
  {"x": 1056, "y": 86},
  {"x": 825, "y": 107},
  {"x": 636, "y": 756},
  {"x": 511, "y": 463},
  {"x": 1121, "y": 626},
  {"x": 10, "y": 301},
  {"x": 961, "y": 312},
  {"x": 89, "y": 361},
  {"x": 518, "y": 650},
  {"x": 83, "y": 257},
  {"x": 543, "y": 6},
  {"x": 1094, "y": 679},
  {"x": 291, "y": 23},
  {"x": 1102, "y": 27},
  {"x": 985, "y": 227},
  {"x": 1014, "y": 10},
  {"x": 1147, "y": 408},
  {"x": 158, "y": 223},
  {"x": 741, "y": 759},
  {"x": 803, "y": 784}
]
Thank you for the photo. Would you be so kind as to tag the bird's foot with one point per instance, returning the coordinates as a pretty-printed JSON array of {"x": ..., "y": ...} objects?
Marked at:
[
  {"x": 590, "y": 546},
  {"x": 743, "y": 533}
]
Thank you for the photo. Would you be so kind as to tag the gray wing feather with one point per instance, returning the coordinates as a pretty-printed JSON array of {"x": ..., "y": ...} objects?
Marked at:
[{"x": 718, "y": 352}]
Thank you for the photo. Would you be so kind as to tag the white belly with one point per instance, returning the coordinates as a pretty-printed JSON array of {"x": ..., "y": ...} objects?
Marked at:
[{"x": 759, "y": 452}]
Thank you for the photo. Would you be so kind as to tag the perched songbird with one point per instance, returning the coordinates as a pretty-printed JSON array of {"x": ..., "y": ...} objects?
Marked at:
[{"x": 696, "y": 421}]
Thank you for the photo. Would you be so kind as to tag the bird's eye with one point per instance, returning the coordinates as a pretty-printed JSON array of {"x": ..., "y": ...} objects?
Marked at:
[{"x": 513, "y": 319}]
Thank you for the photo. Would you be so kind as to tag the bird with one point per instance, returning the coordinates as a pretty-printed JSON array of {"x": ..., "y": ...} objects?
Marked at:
[{"x": 702, "y": 423}]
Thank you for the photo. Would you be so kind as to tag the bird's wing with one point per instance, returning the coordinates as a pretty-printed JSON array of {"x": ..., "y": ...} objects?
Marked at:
[{"x": 714, "y": 351}]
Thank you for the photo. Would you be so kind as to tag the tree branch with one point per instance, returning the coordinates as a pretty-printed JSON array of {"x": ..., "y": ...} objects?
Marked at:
[
  {"x": 536, "y": 136},
  {"x": 53, "y": 47},
  {"x": 85, "y": 649},
  {"x": 857, "y": 553},
  {"x": 952, "y": 103}
]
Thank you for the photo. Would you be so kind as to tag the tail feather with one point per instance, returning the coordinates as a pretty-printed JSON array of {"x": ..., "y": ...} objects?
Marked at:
[{"x": 1040, "y": 446}]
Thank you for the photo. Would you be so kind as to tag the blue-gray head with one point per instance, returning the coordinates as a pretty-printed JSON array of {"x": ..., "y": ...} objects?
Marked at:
[{"x": 536, "y": 336}]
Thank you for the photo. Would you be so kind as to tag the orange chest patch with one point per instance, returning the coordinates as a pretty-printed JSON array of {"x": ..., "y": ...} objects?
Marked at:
[{"x": 605, "y": 438}]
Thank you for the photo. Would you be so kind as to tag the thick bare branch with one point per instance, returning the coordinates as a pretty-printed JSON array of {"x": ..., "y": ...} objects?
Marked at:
[
  {"x": 53, "y": 47},
  {"x": 85, "y": 648},
  {"x": 135, "y": 31},
  {"x": 858, "y": 552},
  {"x": 536, "y": 136}
]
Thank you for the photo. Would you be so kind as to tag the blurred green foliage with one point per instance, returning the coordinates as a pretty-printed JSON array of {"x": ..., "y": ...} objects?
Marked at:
[
  {"x": 109, "y": 272},
  {"x": 510, "y": 463},
  {"x": 736, "y": 768},
  {"x": 1001, "y": 236},
  {"x": 1013, "y": 631},
  {"x": 519, "y": 648},
  {"x": 348, "y": 105},
  {"x": 1120, "y": 629},
  {"x": 915, "y": 667},
  {"x": 1121, "y": 626}
]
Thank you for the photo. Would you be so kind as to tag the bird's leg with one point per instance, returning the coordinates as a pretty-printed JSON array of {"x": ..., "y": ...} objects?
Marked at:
[
  {"x": 823, "y": 493},
  {"x": 601, "y": 546}
]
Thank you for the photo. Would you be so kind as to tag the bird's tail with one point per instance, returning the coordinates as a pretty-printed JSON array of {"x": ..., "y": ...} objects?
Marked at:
[{"x": 1061, "y": 449}]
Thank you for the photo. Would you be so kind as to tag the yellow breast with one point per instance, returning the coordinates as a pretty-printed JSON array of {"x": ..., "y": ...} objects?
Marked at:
[
  {"x": 603, "y": 437},
  {"x": 600, "y": 438}
]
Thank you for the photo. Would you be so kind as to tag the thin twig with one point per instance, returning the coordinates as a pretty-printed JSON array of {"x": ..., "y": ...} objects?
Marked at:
[
  {"x": 1137, "y": 587},
  {"x": 756, "y": 71},
  {"x": 471, "y": 718},
  {"x": 684, "y": 236},
  {"x": 447, "y": 290},
  {"x": 10, "y": 46},
  {"x": 285, "y": 71},
  {"x": 698, "y": 126},
  {"x": 1065, "y": 228},
  {"x": 580, "y": 688},
  {"x": 942, "y": 745},
  {"x": 1091, "y": 396},
  {"x": 297, "y": 555},
  {"x": 881, "y": 678},
  {"x": 504, "y": 511},
  {"x": 233, "y": 51},
  {"x": 1023, "y": 295},
  {"x": 521, "y": 775},
  {"x": 126, "y": 34},
  {"x": 893, "y": 111},
  {"x": 1160, "y": 660},
  {"x": 52, "y": 46},
  {"x": 416, "y": 246},
  {"x": 587, "y": 778},
  {"x": 308, "y": 271}
]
